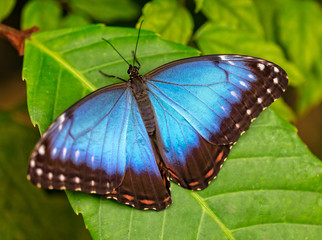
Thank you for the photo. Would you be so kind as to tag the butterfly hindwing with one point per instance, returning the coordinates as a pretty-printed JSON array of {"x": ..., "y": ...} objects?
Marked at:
[
  {"x": 191, "y": 161},
  {"x": 100, "y": 145},
  {"x": 203, "y": 105}
]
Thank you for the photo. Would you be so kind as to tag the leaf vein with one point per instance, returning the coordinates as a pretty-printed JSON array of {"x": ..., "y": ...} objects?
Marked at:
[
  {"x": 65, "y": 64},
  {"x": 212, "y": 215}
]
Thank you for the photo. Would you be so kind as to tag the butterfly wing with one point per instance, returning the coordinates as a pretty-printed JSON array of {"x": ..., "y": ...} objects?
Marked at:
[
  {"x": 144, "y": 186},
  {"x": 100, "y": 145},
  {"x": 203, "y": 105}
]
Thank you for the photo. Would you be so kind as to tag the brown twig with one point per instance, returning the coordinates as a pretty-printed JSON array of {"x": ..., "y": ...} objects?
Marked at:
[{"x": 16, "y": 37}]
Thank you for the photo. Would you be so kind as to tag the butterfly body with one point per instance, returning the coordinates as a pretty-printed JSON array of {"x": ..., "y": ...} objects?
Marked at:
[
  {"x": 140, "y": 91},
  {"x": 178, "y": 121}
]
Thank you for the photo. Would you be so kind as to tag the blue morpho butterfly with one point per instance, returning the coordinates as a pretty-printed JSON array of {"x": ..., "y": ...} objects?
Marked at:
[{"x": 179, "y": 122}]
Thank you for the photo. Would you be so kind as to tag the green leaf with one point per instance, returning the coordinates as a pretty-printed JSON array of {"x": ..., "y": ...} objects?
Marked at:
[
  {"x": 74, "y": 20},
  {"x": 283, "y": 110},
  {"x": 6, "y": 6},
  {"x": 199, "y": 4},
  {"x": 311, "y": 91},
  {"x": 106, "y": 10},
  {"x": 266, "y": 11},
  {"x": 45, "y": 14},
  {"x": 27, "y": 212},
  {"x": 214, "y": 38},
  {"x": 168, "y": 18},
  {"x": 300, "y": 31},
  {"x": 269, "y": 186},
  {"x": 237, "y": 14}
]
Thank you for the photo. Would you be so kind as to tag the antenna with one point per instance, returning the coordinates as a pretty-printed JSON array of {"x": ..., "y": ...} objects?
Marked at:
[
  {"x": 137, "y": 41},
  {"x": 116, "y": 50}
]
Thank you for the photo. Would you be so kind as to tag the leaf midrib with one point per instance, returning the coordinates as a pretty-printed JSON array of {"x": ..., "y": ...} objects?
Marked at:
[
  {"x": 227, "y": 231},
  {"x": 63, "y": 63},
  {"x": 275, "y": 223},
  {"x": 257, "y": 190},
  {"x": 212, "y": 215}
]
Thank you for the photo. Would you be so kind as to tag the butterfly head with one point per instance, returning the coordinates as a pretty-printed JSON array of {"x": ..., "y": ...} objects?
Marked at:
[{"x": 133, "y": 71}]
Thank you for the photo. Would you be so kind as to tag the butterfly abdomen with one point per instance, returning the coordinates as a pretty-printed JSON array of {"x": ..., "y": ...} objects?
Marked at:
[{"x": 140, "y": 93}]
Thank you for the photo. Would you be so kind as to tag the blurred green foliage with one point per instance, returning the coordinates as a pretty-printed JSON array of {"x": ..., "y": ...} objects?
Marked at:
[
  {"x": 6, "y": 7},
  {"x": 287, "y": 32}
]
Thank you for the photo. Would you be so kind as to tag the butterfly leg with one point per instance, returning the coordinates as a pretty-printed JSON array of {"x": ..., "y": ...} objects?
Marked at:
[
  {"x": 112, "y": 76},
  {"x": 136, "y": 60}
]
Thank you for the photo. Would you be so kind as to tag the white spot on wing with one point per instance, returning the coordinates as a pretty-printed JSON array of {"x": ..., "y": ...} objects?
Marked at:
[
  {"x": 92, "y": 160},
  {"x": 275, "y": 80},
  {"x": 92, "y": 183},
  {"x": 243, "y": 83},
  {"x": 32, "y": 163},
  {"x": 231, "y": 63},
  {"x": 62, "y": 177},
  {"x": 53, "y": 152},
  {"x": 251, "y": 76},
  {"x": 234, "y": 94},
  {"x": 223, "y": 57},
  {"x": 50, "y": 175},
  {"x": 39, "y": 171},
  {"x": 64, "y": 152},
  {"x": 60, "y": 127},
  {"x": 249, "y": 112},
  {"x": 268, "y": 90},
  {"x": 41, "y": 150},
  {"x": 61, "y": 118},
  {"x": 77, "y": 180},
  {"x": 261, "y": 66},
  {"x": 76, "y": 155},
  {"x": 276, "y": 69},
  {"x": 259, "y": 100}
]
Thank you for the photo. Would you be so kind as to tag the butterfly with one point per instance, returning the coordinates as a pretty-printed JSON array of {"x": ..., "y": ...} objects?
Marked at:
[{"x": 178, "y": 122}]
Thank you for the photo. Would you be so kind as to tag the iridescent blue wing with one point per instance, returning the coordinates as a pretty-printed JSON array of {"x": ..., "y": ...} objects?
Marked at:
[
  {"x": 100, "y": 145},
  {"x": 203, "y": 105}
]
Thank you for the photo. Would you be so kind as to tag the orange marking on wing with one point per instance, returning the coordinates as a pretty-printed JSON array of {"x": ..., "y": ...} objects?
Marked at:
[
  {"x": 167, "y": 199},
  {"x": 114, "y": 192},
  {"x": 209, "y": 173},
  {"x": 172, "y": 173},
  {"x": 128, "y": 197},
  {"x": 147, "y": 202},
  {"x": 193, "y": 184},
  {"x": 219, "y": 156},
  {"x": 165, "y": 182}
]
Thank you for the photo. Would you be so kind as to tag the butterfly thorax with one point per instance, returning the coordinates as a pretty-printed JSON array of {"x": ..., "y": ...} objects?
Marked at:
[{"x": 140, "y": 92}]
